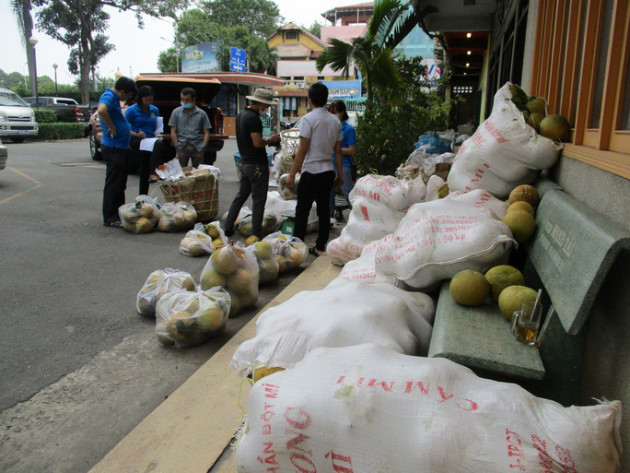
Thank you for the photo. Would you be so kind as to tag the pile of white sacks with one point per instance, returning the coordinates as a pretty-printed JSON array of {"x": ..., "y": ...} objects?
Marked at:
[{"x": 346, "y": 385}]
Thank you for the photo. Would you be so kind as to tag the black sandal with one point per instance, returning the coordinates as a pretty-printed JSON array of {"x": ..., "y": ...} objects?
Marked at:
[
  {"x": 115, "y": 224},
  {"x": 315, "y": 252}
]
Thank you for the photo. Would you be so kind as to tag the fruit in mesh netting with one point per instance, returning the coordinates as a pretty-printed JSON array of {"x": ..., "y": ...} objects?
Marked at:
[
  {"x": 469, "y": 288},
  {"x": 503, "y": 276},
  {"x": 512, "y": 297},
  {"x": 521, "y": 223},
  {"x": 555, "y": 127},
  {"x": 525, "y": 193}
]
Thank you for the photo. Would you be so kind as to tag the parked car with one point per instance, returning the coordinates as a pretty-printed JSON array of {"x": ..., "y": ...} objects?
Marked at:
[
  {"x": 66, "y": 109},
  {"x": 17, "y": 118},
  {"x": 166, "y": 91}
]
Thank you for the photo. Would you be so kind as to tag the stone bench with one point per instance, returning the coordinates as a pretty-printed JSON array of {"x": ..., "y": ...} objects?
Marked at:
[{"x": 569, "y": 258}]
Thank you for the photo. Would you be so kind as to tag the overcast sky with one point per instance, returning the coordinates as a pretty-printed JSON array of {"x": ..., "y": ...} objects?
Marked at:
[{"x": 136, "y": 50}]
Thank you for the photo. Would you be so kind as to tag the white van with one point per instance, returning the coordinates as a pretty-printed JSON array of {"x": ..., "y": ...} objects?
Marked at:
[{"x": 17, "y": 118}]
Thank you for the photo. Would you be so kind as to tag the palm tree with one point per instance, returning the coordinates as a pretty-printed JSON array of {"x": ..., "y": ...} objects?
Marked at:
[
  {"x": 22, "y": 10},
  {"x": 372, "y": 53}
]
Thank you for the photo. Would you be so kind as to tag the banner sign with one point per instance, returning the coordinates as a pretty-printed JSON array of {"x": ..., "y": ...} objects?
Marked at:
[
  {"x": 343, "y": 89},
  {"x": 202, "y": 57},
  {"x": 238, "y": 59}
]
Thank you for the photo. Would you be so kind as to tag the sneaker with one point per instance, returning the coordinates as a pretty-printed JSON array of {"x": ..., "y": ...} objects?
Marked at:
[{"x": 332, "y": 222}]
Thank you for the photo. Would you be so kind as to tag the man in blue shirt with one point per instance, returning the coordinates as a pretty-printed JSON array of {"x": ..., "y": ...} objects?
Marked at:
[{"x": 115, "y": 147}]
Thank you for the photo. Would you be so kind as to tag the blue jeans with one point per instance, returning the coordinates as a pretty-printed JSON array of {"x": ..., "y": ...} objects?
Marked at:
[
  {"x": 346, "y": 187},
  {"x": 254, "y": 181}
]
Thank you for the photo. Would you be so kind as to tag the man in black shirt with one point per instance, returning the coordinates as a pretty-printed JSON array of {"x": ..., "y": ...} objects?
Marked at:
[{"x": 254, "y": 164}]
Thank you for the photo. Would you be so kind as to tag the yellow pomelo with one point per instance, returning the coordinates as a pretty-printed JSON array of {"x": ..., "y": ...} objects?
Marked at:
[
  {"x": 264, "y": 371},
  {"x": 144, "y": 225},
  {"x": 537, "y": 105},
  {"x": 521, "y": 223},
  {"x": 525, "y": 193},
  {"x": 224, "y": 260},
  {"x": 251, "y": 240},
  {"x": 512, "y": 297},
  {"x": 555, "y": 127},
  {"x": 263, "y": 249},
  {"x": 213, "y": 231},
  {"x": 522, "y": 205},
  {"x": 210, "y": 319},
  {"x": 210, "y": 278},
  {"x": 469, "y": 288},
  {"x": 240, "y": 281},
  {"x": 535, "y": 119},
  {"x": 503, "y": 276}
]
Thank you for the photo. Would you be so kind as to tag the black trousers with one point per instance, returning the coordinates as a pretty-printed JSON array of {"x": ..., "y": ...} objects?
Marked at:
[
  {"x": 115, "y": 181},
  {"x": 314, "y": 188},
  {"x": 254, "y": 181},
  {"x": 149, "y": 160}
]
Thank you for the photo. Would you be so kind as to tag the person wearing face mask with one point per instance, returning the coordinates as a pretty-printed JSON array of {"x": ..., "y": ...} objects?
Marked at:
[
  {"x": 348, "y": 149},
  {"x": 190, "y": 129},
  {"x": 115, "y": 147},
  {"x": 142, "y": 117}
]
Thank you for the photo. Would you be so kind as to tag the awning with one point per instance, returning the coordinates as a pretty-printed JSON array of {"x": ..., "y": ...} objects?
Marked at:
[{"x": 252, "y": 79}]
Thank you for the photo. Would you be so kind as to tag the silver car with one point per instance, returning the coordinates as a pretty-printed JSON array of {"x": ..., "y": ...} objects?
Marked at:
[{"x": 17, "y": 118}]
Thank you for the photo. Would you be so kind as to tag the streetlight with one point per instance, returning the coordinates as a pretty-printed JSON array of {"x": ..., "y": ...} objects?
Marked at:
[
  {"x": 33, "y": 42},
  {"x": 55, "y": 66}
]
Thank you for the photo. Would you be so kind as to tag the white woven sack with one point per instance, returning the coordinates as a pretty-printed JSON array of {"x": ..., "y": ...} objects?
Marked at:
[
  {"x": 503, "y": 153},
  {"x": 344, "y": 313},
  {"x": 437, "y": 239},
  {"x": 368, "y": 409},
  {"x": 364, "y": 267},
  {"x": 368, "y": 221},
  {"x": 397, "y": 194}
]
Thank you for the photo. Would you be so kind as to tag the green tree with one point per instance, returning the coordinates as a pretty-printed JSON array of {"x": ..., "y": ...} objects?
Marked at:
[
  {"x": 167, "y": 60},
  {"x": 316, "y": 29},
  {"x": 81, "y": 25},
  {"x": 198, "y": 26},
  {"x": 22, "y": 10},
  {"x": 372, "y": 53},
  {"x": 260, "y": 17},
  {"x": 388, "y": 130}
]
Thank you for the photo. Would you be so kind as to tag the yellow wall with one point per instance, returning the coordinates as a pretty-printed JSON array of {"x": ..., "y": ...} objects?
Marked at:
[{"x": 278, "y": 38}]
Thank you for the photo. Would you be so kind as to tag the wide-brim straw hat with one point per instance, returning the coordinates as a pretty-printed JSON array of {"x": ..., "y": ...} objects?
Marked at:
[{"x": 263, "y": 96}]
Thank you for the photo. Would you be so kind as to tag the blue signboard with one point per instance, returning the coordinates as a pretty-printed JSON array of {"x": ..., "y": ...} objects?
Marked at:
[
  {"x": 238, "y": 59},
  {"x": 343, "y": 89},
  {"x": 201, "y": 57}
]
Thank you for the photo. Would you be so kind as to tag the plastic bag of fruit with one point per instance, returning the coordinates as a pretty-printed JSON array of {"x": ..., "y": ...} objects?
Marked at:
[
  {"x": 290, "y": 251},
  {"x": 284, "y": 191},
  {"x": 214, "y": 231},
  {"x": 196, "y": 243},
  {"x": 140, "y": 216},
  {"x": 268, "y": 266},
  {"x": 188, "y": 318},
  {"x": 159, "y": 283},
  {"x": 176, "y": 216},
  {"x": 236, "y": 270}
]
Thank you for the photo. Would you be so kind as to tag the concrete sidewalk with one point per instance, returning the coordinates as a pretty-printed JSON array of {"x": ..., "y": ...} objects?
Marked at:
[{"x": 191, "y": 431}]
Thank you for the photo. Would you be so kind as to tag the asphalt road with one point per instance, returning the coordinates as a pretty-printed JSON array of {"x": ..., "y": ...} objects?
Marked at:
[{"x": 80, "y": 368}]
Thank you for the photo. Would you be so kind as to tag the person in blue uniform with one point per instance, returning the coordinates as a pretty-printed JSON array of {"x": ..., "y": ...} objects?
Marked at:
[
  {"x": 115, "y": 147},
  {"x": 348, "y": 149},
  {"x": 142, "y": 117}
]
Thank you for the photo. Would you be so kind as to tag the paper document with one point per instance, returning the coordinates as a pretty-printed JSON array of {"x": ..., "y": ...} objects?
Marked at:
[
  {"x": 159, "y": 125},
  {"x": 147, "y": 144}
]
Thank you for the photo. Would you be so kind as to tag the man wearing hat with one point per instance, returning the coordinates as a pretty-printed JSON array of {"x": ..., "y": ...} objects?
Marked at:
[{"x": 254, "y": 164}]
